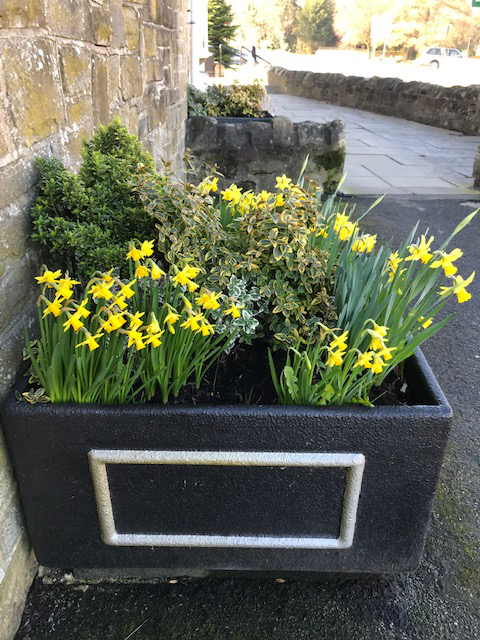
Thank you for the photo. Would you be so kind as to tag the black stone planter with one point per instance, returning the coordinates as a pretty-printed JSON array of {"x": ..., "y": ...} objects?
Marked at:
[{"x": 245, "y": 488}]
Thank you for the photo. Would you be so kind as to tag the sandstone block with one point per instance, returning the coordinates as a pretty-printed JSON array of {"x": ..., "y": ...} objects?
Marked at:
[
  {"x": 131, "y": 77},
  {"x": 19, "y": 14},
  {"x": 101, "y": 110},
  {"x": 80, "y": 111},
  {"x": 102, "y": 26},
  {"x": 156, "y": 105},
  {"x": 154, "y": 70},
  {"x": 118, "y": 25},
  {"x": 150, "y": 37},
  {"x": 17, "y": 290},
  {"x": 75, "y": 69},
  {"x": 33, "y": 87},
  {"x": 132, "y": 28},
  {"x": 70, "y": 19}
]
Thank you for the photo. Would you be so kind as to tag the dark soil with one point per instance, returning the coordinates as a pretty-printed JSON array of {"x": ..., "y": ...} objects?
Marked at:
[{"x": 243, "y": 377}]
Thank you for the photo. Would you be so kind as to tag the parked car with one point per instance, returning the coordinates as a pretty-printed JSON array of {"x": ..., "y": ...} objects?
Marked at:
[{"x": 434, "y": 57}]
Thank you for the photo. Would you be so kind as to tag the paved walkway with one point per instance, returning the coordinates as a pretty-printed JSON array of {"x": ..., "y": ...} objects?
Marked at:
[{"x": 390, "y": 155}]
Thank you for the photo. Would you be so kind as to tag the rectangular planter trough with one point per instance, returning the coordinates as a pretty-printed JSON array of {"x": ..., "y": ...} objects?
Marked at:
[{"x": 184, "y": 489}]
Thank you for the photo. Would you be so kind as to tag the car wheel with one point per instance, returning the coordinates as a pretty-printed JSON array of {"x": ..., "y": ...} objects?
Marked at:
[{"x": 434, "y": 64}]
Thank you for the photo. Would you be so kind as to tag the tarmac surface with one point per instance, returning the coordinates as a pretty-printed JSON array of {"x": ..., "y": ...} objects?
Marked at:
[{"x": 441, "y": 600}]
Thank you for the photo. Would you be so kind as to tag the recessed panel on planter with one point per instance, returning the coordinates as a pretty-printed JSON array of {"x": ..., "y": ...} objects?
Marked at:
[{"x": 229, "y": 498}]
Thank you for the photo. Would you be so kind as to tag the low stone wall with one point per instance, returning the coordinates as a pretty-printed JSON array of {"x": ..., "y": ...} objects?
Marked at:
[
  {"x": 476, "y": 169},
  {"x": 456, "y": 108},
  {"x": 253, "y": 152}
]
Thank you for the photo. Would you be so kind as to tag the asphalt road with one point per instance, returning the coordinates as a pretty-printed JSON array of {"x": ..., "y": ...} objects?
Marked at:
[{"x": 440, "y": 601}]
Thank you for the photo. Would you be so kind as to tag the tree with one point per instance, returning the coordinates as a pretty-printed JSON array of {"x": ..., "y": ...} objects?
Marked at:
[
  {"x": 288, "y": 23},
  {"x": 221, "y": 31},
  {"x": 315, "y": 24}
]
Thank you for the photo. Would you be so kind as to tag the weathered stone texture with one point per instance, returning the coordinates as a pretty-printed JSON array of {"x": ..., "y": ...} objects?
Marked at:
[
  {"x": 77, "y": 63},
  {"x": 252, "y": 153},
  {"x": 456, "y": 108},
  {"x": 476, "y": 168},
  {"x": 33, "y": 85}
]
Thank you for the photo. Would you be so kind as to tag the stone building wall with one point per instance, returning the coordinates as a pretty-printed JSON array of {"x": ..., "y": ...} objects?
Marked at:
[
  {"x": 456, "y": 108},
  {"x": 252, "y": 152},
  {"x": 65, "y": 67}
]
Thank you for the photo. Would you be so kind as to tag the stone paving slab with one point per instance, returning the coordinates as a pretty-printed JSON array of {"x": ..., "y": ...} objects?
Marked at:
[{"x": 391, "y": 155}]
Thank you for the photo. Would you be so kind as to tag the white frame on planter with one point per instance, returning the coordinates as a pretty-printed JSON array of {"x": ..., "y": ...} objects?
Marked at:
[{"x": 354, "y": 462}]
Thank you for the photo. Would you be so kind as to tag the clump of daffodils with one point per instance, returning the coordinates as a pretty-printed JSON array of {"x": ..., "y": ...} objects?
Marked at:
[{"x": 158, "y": 328}]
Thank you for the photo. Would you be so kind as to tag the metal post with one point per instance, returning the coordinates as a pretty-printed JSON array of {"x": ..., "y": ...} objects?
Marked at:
[{"x": 220, "y": 72}]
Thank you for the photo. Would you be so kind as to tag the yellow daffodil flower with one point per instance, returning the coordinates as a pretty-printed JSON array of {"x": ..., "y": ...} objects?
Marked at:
[
  {"x": 379, "y": 329},
  {"x": 445, "y": 260},
  {"x": 126, "y": 289},
  {"x": 147, "y": 248},
  {"x": 365, "y": 243},
  {"x": 377, "y": 343},
  {"x": 191, "y": 272},
  {"x": 141, "y": 271},
  {"x": 135, "y": 254},
  {"x": 74, "y": 322},
  {"x": 154, "y": 339},
  {"x": 91, "y": 341},
  {"x": 279, "y": 200},
  {"x": 335, "y": 358},
  {"x": 119, "y": 301},
  {"x": 208, "y": 300},
  {"x": 420, "y": 251},
  {"x": 156, "y": 272},
  {"x": 135, "y": 337},
  {"x": 107, "y": 277},
  {"x": 48, "y": 277},
  {"x": 65, "y": 287},
  {"x": 378, "y": 363},
  {"x": 339, "y": 342},
  {"x": 135, "y": 319},
  {"x": 82, "y": 312},
  {"x": 234, "y": 311},
  {"x": 54, "y": 307},
  {"x": 459, "y": 288},
  {"x": 192, "y": 322},
  {"x": 207, "y": 329},
  {"x": 101, "y": 291},
  {"x": 427, "y": 323},
  {"x": 117, "y": 320},
  {"x": 393, "y": 263},
  {"x": 153, "y": 327},
  {"x": 170, "y": 319},
  {"x": 283, "y": 183},
  {"x": 364, "y": 360},
  {"x": 386, "y": 353}
]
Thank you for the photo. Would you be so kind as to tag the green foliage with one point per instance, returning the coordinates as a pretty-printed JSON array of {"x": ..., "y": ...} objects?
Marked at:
[
  {"x": 271, "y": 247},
  {"x": 86, "y": 220},
  {"x": 221, "y": 31},
  {"x": 238, "y": 100},
  {"x": 315, "y": 24}
]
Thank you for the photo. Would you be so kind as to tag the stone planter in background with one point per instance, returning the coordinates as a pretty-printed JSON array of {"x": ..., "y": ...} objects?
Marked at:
[
  {"x": 252, "y": 152},
  {"x": 196, "y": 489}
]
